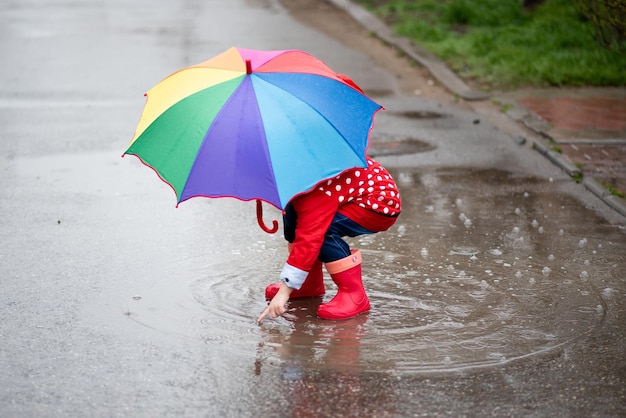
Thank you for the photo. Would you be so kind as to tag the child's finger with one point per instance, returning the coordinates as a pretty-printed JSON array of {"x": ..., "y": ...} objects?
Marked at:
[{"x": 264, "y": 314}]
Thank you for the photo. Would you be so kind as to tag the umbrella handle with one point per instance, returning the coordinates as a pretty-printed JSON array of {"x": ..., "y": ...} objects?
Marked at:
[{"x": 259, "y": 218}]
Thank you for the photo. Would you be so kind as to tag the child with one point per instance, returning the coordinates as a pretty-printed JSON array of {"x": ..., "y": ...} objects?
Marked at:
[{"x": 356, "y": 202}]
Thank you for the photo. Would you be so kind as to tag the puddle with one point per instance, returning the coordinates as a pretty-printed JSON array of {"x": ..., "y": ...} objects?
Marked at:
[
  {"x": 397, "y": 146},
  {"x": 420, "y": 114},
  {"x": 483, "y": 268}
]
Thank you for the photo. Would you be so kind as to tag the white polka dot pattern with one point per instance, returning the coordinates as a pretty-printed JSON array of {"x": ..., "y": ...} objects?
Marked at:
[{"x": 372, "y": 188}]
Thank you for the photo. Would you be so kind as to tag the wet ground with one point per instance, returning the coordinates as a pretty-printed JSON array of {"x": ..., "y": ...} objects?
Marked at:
[
  {"x": 491, "y": 293},
  {"x": 489, "y": 281},
  {"x": 499, "y": 291},
  {"x": 484, "y": 268}
]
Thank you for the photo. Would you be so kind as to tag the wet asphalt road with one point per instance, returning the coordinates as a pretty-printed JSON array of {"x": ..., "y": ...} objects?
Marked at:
[{"x": 500, "y": 292}]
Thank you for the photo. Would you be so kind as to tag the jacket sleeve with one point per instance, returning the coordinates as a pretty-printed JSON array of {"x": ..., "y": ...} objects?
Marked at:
[{"x": 315, "y": 211}]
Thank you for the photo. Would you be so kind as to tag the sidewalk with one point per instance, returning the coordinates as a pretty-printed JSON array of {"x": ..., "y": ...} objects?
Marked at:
[{"x": 581, "y": 130}]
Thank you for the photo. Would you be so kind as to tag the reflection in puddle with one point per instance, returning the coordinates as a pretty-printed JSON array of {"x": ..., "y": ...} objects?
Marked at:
[{"x": 527, "y": 274}]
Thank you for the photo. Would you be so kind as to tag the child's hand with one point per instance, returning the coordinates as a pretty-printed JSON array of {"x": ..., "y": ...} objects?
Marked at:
[{"x": 277, "y": 304}]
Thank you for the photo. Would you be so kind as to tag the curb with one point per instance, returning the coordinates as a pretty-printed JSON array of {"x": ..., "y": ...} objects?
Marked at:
[
  {"x": 541, "y": 127},
  {"x": 598, "y": 189},
  {"x": 557, "y": 158},
  {"x": 590, "y": 184},
  {"x": 455, "y": 85}
]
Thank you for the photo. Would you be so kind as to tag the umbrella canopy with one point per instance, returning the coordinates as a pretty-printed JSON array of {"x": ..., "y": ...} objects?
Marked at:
[{"x": 253, "y": 124}]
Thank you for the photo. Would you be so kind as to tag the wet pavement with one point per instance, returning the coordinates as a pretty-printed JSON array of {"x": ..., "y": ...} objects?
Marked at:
[{"x": 499, "y": 291}]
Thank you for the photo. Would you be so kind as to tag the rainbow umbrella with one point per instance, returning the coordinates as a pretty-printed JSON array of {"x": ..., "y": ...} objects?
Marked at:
[{"x": 249, "y": 124}]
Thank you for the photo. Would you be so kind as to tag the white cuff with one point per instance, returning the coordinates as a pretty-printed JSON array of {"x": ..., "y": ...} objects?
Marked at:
[{"x": 293, "y": 276}]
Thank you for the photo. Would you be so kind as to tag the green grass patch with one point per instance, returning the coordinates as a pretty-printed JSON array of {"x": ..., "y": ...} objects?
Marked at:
[
  {"x": 504, "y": 107},
  {"x": 578, "y": 177},
  {"x": 499, "y": 44},
  {"x": 614, "y": 191}
]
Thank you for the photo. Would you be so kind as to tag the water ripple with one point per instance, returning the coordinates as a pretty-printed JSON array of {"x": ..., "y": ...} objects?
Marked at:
[{"x": 444, "y": 295}]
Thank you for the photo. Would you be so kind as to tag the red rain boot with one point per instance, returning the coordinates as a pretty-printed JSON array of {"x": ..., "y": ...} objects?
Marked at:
[
  {"x": 351, "y": 299},
  {"x": 313, "y": 285}
]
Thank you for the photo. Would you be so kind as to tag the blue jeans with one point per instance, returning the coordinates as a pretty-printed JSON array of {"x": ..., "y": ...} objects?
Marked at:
[{"x": 334, "y": 247}]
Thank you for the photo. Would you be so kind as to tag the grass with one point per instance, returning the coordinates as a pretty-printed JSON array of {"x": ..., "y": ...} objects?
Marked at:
[
  {"x": 499, "y": 44},
  {"x": 614, "y": 191},
  {"x": 504, "y": 107},
  {"x": 577, "y": 177}
]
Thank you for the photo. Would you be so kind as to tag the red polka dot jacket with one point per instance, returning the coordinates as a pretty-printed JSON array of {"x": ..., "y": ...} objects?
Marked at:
[{"x": 369, "y": 196}]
